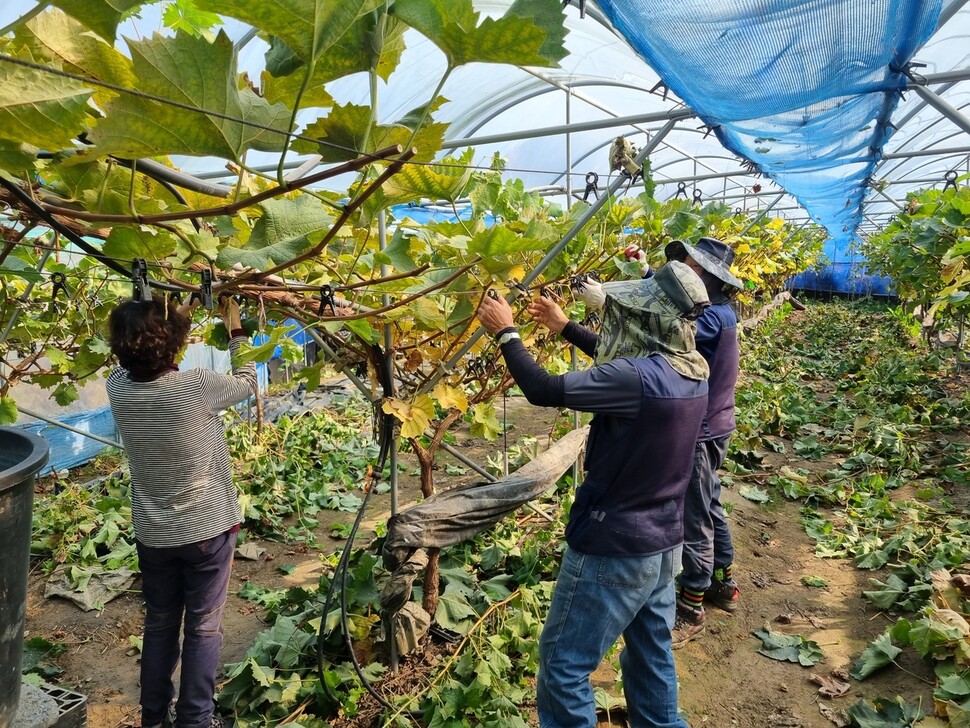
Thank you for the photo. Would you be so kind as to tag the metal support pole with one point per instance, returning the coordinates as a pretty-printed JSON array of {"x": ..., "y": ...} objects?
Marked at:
[
  {"x": 555, "y": 250},
  {"x": 944, "y": 107},
  {"x": 69, "y": 428},
  {"x": 763, "y": 213},
  {"x": 898, "y": 206},
  {"x": 386, "y": 300}
]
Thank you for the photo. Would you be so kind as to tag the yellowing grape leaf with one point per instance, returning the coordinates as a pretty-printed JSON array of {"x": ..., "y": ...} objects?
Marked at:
[
  {"x": 415, "y": 417},
  {"x": 201, "y": 76},
  {"x": 449, "y": 397},
  {"x": 484, "y": 422},
  {"x": 39, "y": 109},
  {"x": 446, "y": 181},
  {"x": 344, "y": 135},
  {"x": 60, "y": 40}
]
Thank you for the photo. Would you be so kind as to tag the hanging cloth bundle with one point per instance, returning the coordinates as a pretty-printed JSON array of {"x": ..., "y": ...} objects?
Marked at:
[
  {"x": 623, "y": 159},
  {"x": 455, "y": 515}
]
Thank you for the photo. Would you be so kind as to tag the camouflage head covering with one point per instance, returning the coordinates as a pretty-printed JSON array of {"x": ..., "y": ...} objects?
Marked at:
[{"x": 653, "y": 316}]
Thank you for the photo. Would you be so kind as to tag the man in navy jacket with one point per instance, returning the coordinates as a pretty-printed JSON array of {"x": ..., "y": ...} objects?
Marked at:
[{"x": 625, "y": 530}]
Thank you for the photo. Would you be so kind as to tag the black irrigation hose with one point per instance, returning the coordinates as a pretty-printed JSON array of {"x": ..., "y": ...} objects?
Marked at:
[{"x": 386, "y": 439}]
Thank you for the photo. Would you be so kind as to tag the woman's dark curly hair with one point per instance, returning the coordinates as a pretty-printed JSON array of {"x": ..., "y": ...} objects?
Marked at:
[{"x": 147, "y": 335}]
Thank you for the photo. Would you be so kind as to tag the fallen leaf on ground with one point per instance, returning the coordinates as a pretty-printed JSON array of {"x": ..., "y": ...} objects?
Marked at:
[
  {"x": 836, "y": 715},
  {"x": 249, "y": 551},
  {"x": 830, "y": 686}
]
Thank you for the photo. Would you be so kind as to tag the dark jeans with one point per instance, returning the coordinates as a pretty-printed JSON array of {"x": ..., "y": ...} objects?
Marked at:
[
  {"x": 707, "y": 540},
  {"x": 192, "y": 580}
]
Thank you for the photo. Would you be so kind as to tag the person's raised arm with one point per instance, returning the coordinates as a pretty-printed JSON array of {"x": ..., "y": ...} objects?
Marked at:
[{"x": 225, "y": 390}]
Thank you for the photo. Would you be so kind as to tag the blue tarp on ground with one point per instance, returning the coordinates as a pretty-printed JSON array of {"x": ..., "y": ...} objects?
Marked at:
[
  {"x": 804, "y": 90},
  {"x": 69, "y": 449}
]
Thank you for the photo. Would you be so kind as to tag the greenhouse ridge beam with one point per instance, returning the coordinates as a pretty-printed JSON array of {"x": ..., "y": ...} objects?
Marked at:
[{"x": 669, "y": 115}]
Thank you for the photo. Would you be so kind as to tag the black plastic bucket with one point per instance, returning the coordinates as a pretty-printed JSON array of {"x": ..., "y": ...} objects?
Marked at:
[{"x": 22, "y": 455}]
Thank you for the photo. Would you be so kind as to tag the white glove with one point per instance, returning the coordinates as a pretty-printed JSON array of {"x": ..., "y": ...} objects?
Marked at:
[
  {"x": 636, "y": 253},
  {"x": 591, "y": 293}
]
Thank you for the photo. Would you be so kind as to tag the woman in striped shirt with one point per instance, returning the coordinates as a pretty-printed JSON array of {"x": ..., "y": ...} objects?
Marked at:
[{"x": 184, "y": 504}]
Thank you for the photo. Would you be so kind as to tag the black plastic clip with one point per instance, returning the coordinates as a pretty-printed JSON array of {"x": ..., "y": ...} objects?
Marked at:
[
  {"x": 708, "y": 128},
  {"x": 950, "y": 179},
  {"x": 592, "y": 320},
  {"x": 488, "y": 363},
  {"x": 544, "y": 292},
  {"x": 660, "y": 84},
  {"x": 541, "y": 341},
  {"x": 60, "y": 284},
  {"x": 681, "y": 190},
  {"x": 475, "y": 367},
  {"x": 326, "y": 299},
  {"x": 492, "y": 293},
  {"x": 204, "y": 294},
  {"x": 578, "y": 282},
  {"x": 175, "y": 297},
  {"x": 582, "y": 7},
  {"x": 141, "y": 290},
  {"x": 698, "y": 197},
  {"x": 592, "y": 180},
  {"x": 738, "y": 211}
]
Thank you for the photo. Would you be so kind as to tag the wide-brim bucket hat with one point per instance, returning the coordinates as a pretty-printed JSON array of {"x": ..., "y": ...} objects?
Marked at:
[
  {"x": 654, "y": 316},
  {"x": 710, "y": 254}
]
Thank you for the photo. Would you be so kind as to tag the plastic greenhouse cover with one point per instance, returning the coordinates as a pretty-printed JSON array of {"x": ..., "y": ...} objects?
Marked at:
[{"x": 756, "y": 68}]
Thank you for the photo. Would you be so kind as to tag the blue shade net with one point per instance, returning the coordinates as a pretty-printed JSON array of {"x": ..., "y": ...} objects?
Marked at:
[{"x": 804, "y": 90}]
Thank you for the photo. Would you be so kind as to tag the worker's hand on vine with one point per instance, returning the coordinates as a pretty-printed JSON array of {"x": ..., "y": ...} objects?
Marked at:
[
  {"x": 187, "y": 309},
  {"x": 495, "y": 314},
  {"x": 546, "y": 312},
  {"x": 634, "y": 253},
  {"x": 230, "y": 313},
  {"x": 591, "y": 293}
]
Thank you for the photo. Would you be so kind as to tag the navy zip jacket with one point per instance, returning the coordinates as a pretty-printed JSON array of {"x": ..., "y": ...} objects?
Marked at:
[
  {"x": 640, "y": 452},
  {"x": 717, "y": 341}
]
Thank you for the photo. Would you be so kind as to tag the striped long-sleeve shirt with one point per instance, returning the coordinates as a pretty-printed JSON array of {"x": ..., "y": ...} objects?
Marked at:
[{"x": 181, "y": 480}]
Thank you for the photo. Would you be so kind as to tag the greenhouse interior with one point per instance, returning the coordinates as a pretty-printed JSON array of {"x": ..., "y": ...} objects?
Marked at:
[{"x": 446, "y": 363}]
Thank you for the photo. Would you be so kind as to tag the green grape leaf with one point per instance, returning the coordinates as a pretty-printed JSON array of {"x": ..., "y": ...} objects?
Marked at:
[
  {"x": 128, "y": 243},
  {"x": 8, "y": 411},
  {"x": 529, "y": 34},
  {"x": 40, "y": 109},
  {"x": 880, "y": 652},
  {"x": 288, "y": 228},
  {"x": 309, "y": 27},
  {"x": 188, "y": 17},
  {"x": 790, "y": 648},
  {"x": 496, "y": 243},
  {"x": 101, "y": 16},
  {"x": 884, "y": 713},
  {"x": 372, "y": 42},
  {"x": 201, "y": 76}
]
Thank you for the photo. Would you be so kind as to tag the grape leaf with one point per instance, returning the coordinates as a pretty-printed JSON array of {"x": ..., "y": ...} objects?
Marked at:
[
  {"x": 39, "y": 109},
  {"x": 790, "y": 648},
  {"x": 8, "y": 411},
  {"x": 101, "y": 16},
  {"x": 288, "y": 228},
  {"x": 200, "y": 75},
  {"x": 880, "y": 652}
]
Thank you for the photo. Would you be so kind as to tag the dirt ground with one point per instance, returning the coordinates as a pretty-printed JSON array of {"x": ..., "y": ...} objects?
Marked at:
[{"x": 724, "y": 681}]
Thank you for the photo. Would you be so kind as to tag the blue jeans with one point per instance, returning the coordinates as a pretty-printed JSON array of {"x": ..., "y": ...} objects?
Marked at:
[
  {"x": 598, "y": 598},
  {"x": 190, "y": 580},
  {"x": 707, "y": 539}
]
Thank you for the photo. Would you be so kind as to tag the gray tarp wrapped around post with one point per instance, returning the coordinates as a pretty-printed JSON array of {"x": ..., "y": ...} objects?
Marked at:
[{"x": 455, "y": 515}]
